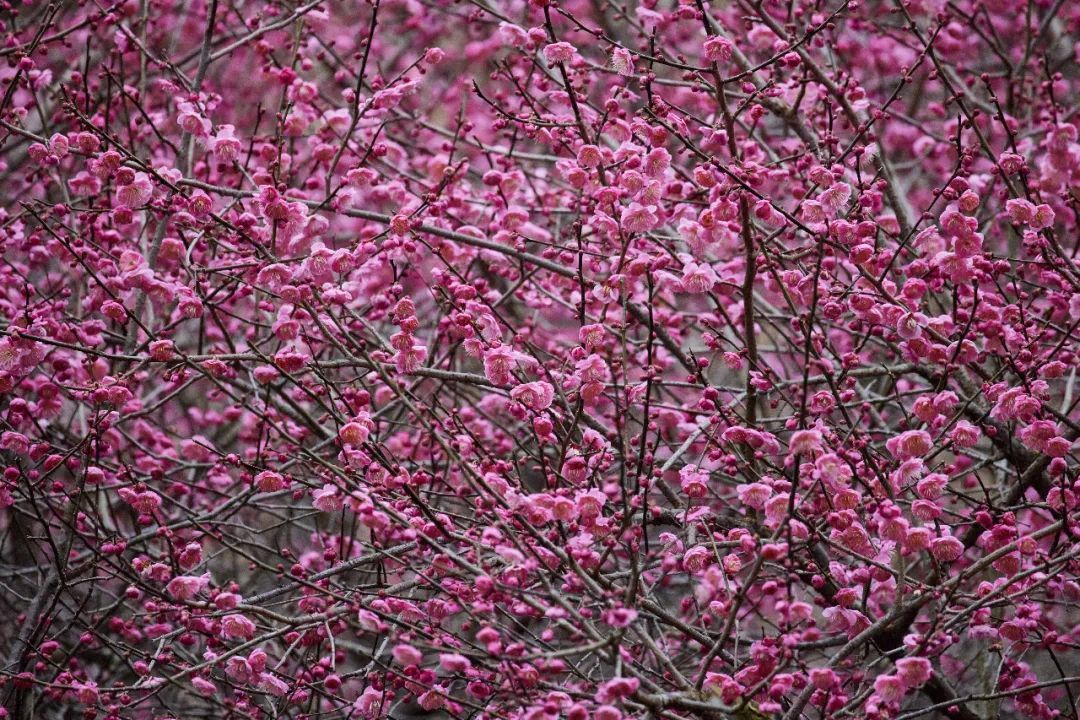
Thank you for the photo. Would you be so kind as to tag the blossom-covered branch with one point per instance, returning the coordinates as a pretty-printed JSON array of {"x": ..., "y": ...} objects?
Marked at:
[{"x": 537, "y": 359}]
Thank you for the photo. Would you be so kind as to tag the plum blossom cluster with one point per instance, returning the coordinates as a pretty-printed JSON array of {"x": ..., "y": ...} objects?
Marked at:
[{"x": 540, "y": 359}]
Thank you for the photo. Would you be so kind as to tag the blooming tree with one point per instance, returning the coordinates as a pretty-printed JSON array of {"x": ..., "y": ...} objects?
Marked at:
[{"x": 540, "y": 359}]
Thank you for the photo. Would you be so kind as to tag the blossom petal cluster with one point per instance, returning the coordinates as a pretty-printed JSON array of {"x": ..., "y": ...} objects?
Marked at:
[{"x": 540, "y": 359}]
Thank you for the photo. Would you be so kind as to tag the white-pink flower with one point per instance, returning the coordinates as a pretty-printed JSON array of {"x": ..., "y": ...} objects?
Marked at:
[
  {"x": 754, "y": 495},
  {"x": 718, "y": 49},
  {"x": 453, "y": 662},
  {"x": 535, "y": 395},
  {"x": 622, "y": 61},
  {"x": 269, "y": 481},
  {"x": 185, "y": 587},
  {"x": 499, "y": 364},
  {"x": 560, "y": 52},
  {"x": 698, "y": 277},
  {"x": 237, "y": 627},
  {"x": 913, "y": 671},
  {"x": 805, "y": 442},
  {"x": 405, "y": 654},
  {"x": 946, "y": 549},
  {"x": 639, "y": 218},
  {"x": 910, "y": 444},
  {"x": 136, "y": 193},
  {"x": 328, "y": 498}
]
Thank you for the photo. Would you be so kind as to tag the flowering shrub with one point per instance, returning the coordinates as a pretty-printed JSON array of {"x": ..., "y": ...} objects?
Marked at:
[{"x": 535, "y": 359}]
